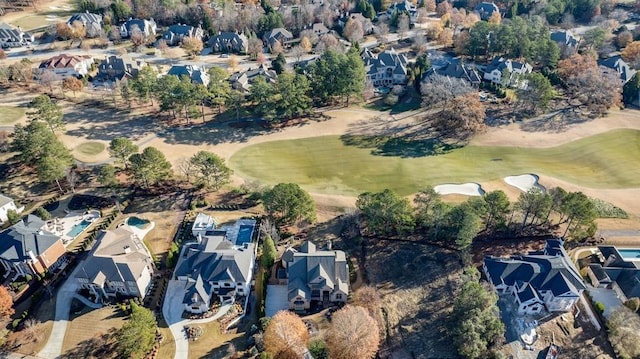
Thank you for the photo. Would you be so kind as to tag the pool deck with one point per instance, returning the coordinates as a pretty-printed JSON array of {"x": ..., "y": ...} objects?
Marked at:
[{"x": 62, "y": 226}]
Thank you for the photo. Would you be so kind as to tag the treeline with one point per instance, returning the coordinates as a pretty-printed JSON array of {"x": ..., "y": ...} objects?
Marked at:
[{"x": 388, "y": 214}]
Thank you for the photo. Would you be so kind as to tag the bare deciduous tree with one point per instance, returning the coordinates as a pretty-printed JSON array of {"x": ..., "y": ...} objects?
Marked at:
[
  {"x": 353, "y": 30},
  {"x": 403, "y": 25},
  {"x": 286, "y": 336},
  {"x": 353, "y": 334},
  {"x": 192, "y": 46},
  {"x": 624, "y": 332},
  {"x": 439, "y": 90}
]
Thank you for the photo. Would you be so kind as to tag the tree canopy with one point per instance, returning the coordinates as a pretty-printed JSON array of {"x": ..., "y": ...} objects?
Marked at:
[
  {"x": 136, "y": 337},
  {"x": 386, "y": 213},
  {"x": 150, "y": 166},
  {"x": 46, "y": 111},
  {"x": 122, "y": 148},
  {"x": 210, "y": 170},
  {"x": 353, "y": 333},
  {"x": 286, "y": 336},
  {"x": 334, "y": 75},
  {"x": 288, "y": 203}
]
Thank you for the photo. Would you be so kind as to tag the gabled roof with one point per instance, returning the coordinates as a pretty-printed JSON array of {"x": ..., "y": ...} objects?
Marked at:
[
  {"x": 277, "y": 34},
  {"x": 402, "y": 6},
  {"x": 486, "y": 9},
  {"x": 10, "y": 33},
  {"x": 62, "y": 61},
  {"x": 456, "y": 70},
  {"x": 181, "y": 29},
  {"x": 197, "y": 291},
  {"x": 85, "y": 18},
  {"x": 527, "y": 293},
  {"x": 24, "y": 236},
  {"x": 501, "y": 64},
  {"x": 142, "y": 24},
  {"x": 618, "y": 64},
  {"x": 232, "y": 38},
  {"x": 4, "y": 200},
  {"x": 310, "y": 264},
  {"x": 195, "y": 73},
  {"x": 564, "y": 37},
  {"x": 629, "y": 282}
]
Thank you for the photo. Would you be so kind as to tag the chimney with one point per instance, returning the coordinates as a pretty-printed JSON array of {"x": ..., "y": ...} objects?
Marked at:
[
  {"x": 127, "y": 249},
  {"x": 329, "y": 245}
]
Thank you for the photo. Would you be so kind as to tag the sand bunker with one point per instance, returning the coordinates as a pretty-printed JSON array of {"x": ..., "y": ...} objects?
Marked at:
[
  {"x": 467, "y": 189},
  {"x": 524, "y": 182}
]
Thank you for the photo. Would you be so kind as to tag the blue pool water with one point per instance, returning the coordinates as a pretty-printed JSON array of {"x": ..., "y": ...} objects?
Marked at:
[
  {"x": 633, "y": 254},
  {"x": 244, "y": 234},
  {"x": 78, "y": 228},
  {"x": 137, "y": 222}
]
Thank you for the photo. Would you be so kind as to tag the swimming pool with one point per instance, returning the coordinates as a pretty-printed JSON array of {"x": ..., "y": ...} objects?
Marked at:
[
  {"x": 630, "y": 254},
  {"x": 245, "y": 233},
  {"x": 137, "y": 222},
  {"x": 78, "y": 228}
]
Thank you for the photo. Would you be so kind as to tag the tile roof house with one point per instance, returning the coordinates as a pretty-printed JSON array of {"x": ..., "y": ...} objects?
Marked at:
[
  {"x": 197, "y": 74},
  {"x": 92, "y": 23},
  {"x": 242, "y": 81},
  {"x": 455, "y": 69},
  {"x": 544, "y": 279},
  {"x": 620, "y": 66},
  {"x": 7, "y": 204},
  {"x": 315, "y": 275},
  {"x": 486, "y": 9},
  {"x": 147, "y": 27},
  {"x": 501, "y": 69},
  {"x": 117, "y": 68},
  {"x": 279, "y": 34},
  {"x": 219, "y": 263},
  {"x": 229, "y": 42},
  {"x": 616, "y": 272},
  {"x": 65, "y": 65},
  {"x": 14, "y": 37},
  {"x": 388, "y": 68},
  {"x": 118, "y": 265},
  {"x": 404, "y": 6},
  {"x": 25, "y": 248},
  {"x": 176, "y": 33}
]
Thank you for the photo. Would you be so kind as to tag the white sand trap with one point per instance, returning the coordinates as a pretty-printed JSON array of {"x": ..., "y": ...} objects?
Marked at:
[
  {"x": 524, "y": 182},
  {"x": 467, "y": 189}
]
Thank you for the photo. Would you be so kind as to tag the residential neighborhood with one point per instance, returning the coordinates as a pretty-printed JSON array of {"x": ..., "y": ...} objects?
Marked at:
[{"x": 319, "y": 179}]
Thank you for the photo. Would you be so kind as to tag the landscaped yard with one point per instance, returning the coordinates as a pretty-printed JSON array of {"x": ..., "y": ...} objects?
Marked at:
[
  {"x": 328, "y": 165},
  {"x": 89, "y": 334},
  {"x": 34, "y": 336},
  {"x": 10, "y": 114},
  {"x": 213, "y": 344}
]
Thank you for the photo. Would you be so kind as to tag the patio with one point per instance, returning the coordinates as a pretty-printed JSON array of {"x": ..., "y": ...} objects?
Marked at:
[{"x": 71, "y": 225}]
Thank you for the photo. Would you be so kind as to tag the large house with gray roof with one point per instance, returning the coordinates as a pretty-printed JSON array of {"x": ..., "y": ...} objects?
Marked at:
[
  {"x": 92, "y": 23},
  {"x": 13, "y": 37},
  {"x": 27, "y": 249},
  {"x": 455, "y": 69},
  {"x": 195, "y": 73},
  {"x": 280, "y": 35},
  {"x": 388, "y": 68},
  {"x": 616, "y": 272},
  {"x": 242, "y": 81},
  {"x": 313, "y": 275},
  {"x": 177, "y": 32},
  {"x": 146, "y": 27},
  {"x": 617, "y": 65},
  {"x": 508, "y": 71},
  {"x": 118, "y": 68},
  {"x": 7, "y": 204},
  {"x": 229, "y": 42},
  {"x": 542, "y": 279},
  {"x": 218, "y": 264},
  {"x": 486, "y": 9},
  {"x": 118, "y": 265}
]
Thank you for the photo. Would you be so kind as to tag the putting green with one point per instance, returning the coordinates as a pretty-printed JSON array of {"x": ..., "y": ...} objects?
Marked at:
[
  {"x": 10, "y": 114},
  {"x": 90, "y": 148},
  {"x": 327, "y": 165}
]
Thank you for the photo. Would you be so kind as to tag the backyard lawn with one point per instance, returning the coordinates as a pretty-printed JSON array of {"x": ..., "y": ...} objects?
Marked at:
[
  {"x": 335, "y": 165},
  {"x": 10, "y": 114}
]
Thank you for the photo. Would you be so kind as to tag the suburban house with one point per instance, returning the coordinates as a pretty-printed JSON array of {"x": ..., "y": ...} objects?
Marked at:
[
  {"x": 367, "y": 26},
  {"x": 566, "y": 40},
  {"x": 405, "y": 6},
  {"x": 13, "y": 37},
  {"x": 229, "y": 42},
  {"x": 196, "y": 74},
  {"x": 117, "y": 68},
  {"x": 486, "y": 9},
  {"x": 542, "y": 279},
  {"x": 218, "y": 264},
  {"x": 512, "y": 72},
  {"x": 319, "y": 29},
  {"x": 118, "y": 265},
  {"x": 25, "y": 248},
  {"x": 7, "y": 204},
  {"x": 65, "y": 65},
  {"x": 457, "y": 70},
  {"x": 279, "y": 34},
  {"x": 147, "y": 27},
  {"x": 313, "y": 275},
  {"x": 176, "y": 33},
  {"x": 388, "y": 68},
  {"x": 242, "y": 81},
  {"x": 617, "y": 272},
  {"x": 92, "y": 23},
  {"x": 617, "y": 64}
]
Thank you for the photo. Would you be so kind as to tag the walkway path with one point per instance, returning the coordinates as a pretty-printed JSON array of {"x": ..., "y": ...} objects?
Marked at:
[{"x": 172, "y": 311}]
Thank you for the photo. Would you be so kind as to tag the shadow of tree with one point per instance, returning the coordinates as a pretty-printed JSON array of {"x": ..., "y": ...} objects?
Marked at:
[
  {"x": 228, "y": 350},
  {"x": 213, "y": 133},
  {"x": 556, "y": 121},
  {"x": 99, "y": 346},
  {"x": 400, "y": 147}
]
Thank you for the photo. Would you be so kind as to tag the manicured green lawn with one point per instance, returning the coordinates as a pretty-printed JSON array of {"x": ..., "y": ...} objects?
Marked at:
[
  {"x": 90, "y": 148},
  {"x": 327, "y": 165},
  {"x": 10, "y": 114}
]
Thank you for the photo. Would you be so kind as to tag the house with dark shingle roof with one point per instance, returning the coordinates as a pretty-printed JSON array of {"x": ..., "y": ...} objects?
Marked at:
[
  {"x": 14, "y": 37},
  {"x": 146, "y": 27},
  {"x": 218, "y": 264},
  {"x": 196, "y": 74},
  {"x": 388, "y": 68},
  {"x": 26, "y": 248},
  {"x": 405, "y": 6},
  {"x": 7, "y": 204},
  {"x": 242, "y": 81},
  {"x": 512, "y": 72},
  {"x": 118, "y": 265},
  {"x": 542, "y": 279},
  {"x": 92, "y": 23},
  {"x": 566, "y": 40},
  {"x": 617, "y": 64},
  {"x": 117, "y": 68},
  {"x": 229, "y": 42},
  {"x": 616, "y": 273},
  {"x": 486, "y": 9},
  {"x": 177, "y": 32},
  {"x": 279, "y": 34},
  {"x": 313, "y": 275},
  {"x": 455, "y": 69}
]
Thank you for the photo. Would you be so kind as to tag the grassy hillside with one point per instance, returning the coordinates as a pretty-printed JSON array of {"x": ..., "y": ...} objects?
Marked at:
[{"x": 326, "y": 164}]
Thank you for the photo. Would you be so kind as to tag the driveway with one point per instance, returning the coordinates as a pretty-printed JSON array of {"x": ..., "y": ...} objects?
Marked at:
[
  {"x": 276, "y": 299},
  {"x": 53, "y": 348}
]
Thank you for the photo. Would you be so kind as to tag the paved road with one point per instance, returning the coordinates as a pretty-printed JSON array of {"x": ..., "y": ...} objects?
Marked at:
[{"x": 66, "y": 292}]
